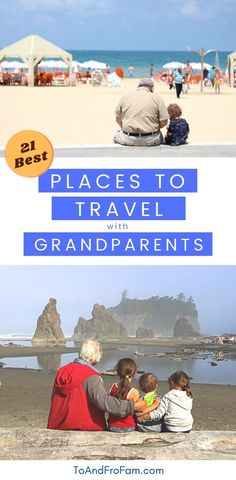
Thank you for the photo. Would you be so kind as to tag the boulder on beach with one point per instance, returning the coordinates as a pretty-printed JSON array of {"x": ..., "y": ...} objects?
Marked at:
[
  {"x": 143, "y": 332},
  {"x": 48, "y": 328},
  {"x": 184, "y": 328},
  {"x": 101, "y": 325}
]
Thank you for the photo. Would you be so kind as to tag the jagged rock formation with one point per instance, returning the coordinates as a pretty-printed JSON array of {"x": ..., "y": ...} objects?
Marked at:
[
  {"x": 101, "y": 325},
  {"x": 157, "y": 313},
  {"x": 48, "y": 328},
  {"x": 143, "y": 332},
  {"x": 184, "y": 328}
]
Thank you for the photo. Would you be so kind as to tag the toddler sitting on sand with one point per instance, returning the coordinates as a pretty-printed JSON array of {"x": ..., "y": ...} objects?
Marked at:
[
  {"x": 148, "y": 383},
  {"x": 175, "y": 406},
  {"x": 178, "y": 129}
]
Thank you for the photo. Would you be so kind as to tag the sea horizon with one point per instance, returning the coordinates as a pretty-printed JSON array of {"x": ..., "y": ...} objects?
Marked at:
[{"x": 142, "y": 59}]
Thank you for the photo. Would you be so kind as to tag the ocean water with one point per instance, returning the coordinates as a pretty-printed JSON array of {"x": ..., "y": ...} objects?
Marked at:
[
  {"x": 141, "y": 60},
  {"x": 200, "y": 368}
]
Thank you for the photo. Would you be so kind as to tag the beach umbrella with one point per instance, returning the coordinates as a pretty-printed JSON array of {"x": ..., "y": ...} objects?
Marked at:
[
  {"x": 75, "y": 66},
  {"x": 93, "y": 65},
  {"x": 53, "y": 64},
  {"x": 197, "y": 66},
  {"x": 12, "y": 65},
  {"x": 173, "y": 65}
]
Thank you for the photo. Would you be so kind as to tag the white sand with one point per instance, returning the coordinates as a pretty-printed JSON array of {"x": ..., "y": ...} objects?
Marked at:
[{"x": 85, "y": 114}]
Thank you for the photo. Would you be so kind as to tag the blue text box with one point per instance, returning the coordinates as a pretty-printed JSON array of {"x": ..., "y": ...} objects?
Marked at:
[
  {"x": 118, "y": 180},
  {"x": 118, "y": 208},
  {"x": 86, "y": 244}
]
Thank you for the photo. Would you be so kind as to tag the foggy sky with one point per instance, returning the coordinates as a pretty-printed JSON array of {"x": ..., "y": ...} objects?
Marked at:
[{"x": 25, "y": 291}]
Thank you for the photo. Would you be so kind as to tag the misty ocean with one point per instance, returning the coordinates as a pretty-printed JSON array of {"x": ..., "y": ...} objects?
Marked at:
[
  {"x": 200, "y": 368},
  {"x": 141, "y": 60}
]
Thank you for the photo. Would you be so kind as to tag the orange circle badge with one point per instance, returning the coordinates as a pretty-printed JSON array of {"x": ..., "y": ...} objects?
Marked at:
[{"x": 29, "y": 153}]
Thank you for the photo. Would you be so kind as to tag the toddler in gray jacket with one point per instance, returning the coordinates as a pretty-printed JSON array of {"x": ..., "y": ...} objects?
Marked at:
[{"x": 176, "y": 405}]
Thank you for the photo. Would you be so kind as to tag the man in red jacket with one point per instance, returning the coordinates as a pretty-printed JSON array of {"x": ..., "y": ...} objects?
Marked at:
[{"x": 79, "y": 398}]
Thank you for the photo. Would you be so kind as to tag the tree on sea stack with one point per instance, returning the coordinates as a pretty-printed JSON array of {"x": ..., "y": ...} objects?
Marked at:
[
  {"x": 48, "y": 328},
  {"x": 124, "y": 295}
]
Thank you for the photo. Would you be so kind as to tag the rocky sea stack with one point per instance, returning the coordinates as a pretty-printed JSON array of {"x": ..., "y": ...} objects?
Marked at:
[
  {"x": 143, "y": 332},
  {"x": 184, "y": 328},
  {"x": 48, "y": 328},
  {"x": 158, "y": 314},
  {"x": 101, "y": 325}
]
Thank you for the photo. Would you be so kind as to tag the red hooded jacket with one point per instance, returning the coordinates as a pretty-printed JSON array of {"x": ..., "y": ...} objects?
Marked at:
[{"x": 71, "y": 409}]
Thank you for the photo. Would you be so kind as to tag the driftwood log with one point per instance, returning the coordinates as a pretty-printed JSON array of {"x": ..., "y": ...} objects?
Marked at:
[{"x": 42, "y": 444}]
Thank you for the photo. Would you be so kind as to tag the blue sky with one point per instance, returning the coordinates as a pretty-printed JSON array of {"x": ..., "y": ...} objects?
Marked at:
[
  {"x": 122, "y": 24},
  {"x": 25, "y": 291}
]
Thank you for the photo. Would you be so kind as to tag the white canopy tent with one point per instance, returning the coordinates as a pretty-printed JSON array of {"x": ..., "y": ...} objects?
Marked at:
[
  {"x": 32, "y": 49},
  {"x": 231, "y": 65}
]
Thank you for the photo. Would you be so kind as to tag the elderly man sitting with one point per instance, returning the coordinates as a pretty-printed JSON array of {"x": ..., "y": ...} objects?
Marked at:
[
  {"x": 79, "y": 398},
  {"x": 141, "y": 115}
]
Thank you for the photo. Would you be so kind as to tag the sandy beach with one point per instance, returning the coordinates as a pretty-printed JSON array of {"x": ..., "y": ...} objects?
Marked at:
[
  {"x": 25, "y": 393},
  {"x": 84, "y": 114},
  {"x": 25, "y": 400}
]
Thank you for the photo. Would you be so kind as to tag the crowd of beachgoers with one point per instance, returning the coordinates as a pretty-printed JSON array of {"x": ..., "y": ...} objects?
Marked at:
[{"x": 16, "y": 73}]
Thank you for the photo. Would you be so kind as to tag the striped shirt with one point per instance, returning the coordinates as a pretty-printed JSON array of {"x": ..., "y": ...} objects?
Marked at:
[{"x": 178, "y": 76}]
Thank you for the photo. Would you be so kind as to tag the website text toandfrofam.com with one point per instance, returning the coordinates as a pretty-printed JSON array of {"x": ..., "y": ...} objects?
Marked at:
[{"x": 106, "y": 469}]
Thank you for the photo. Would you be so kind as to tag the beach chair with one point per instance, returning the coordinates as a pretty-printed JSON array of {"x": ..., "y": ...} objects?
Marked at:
[
  {"x": 58, "y": 81},
  {"x": 72, "y": 80},
  {"x": 98, "y": 79},
  {"x": 113, "y": 80}
]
